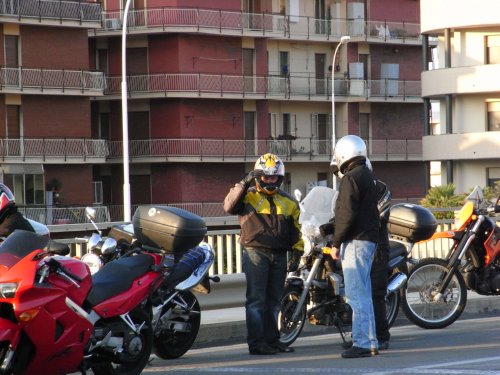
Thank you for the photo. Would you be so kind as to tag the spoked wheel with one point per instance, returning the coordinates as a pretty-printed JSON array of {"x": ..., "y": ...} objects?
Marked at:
[
  {"x": 419, "y": 303},
  {"x": 290, "y": 329},
  {"x": 137, "y": 350},
  {"x": 180, "y": 329}
]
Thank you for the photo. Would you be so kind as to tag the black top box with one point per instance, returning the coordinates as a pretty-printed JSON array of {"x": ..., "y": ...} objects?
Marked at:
[
  {"x": 169, "y": 228},
  {"x": 412, "y": 222}
]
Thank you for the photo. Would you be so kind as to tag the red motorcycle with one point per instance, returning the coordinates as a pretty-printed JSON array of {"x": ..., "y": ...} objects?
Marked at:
[
  {"x": 57, "y": 318},
  {"x": 436, "y": 291}
]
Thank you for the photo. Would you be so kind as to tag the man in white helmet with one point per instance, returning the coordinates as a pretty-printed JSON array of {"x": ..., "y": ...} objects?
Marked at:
[
  {"x": 355, "y": 240},
  {"x": 270, "y": 230}
]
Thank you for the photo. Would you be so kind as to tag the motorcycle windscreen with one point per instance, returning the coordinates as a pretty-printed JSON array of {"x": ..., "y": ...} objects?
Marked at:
[
  {"x": 19, "y": 244},
  {"x": 318, "y": 205}
]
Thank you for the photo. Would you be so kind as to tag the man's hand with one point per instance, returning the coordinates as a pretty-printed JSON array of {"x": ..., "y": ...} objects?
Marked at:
[
  {"x": 335, "y": 253},
  {"x": 293, "y": 260},
  {"x": 250, "y": 177}
]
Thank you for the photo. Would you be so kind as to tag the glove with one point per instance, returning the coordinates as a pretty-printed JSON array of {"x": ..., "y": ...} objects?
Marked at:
[
  {"x": 250, "y": 177},
  {"x": 327, "y": 228},
  {"x": 293, "y": 260}
]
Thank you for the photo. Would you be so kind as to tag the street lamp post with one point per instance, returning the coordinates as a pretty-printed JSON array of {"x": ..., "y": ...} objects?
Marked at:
[
  {"x": 343, "y": 40},
  {"x": 126, "y": 176}
]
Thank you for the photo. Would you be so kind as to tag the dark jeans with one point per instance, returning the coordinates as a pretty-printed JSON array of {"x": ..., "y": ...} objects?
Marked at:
[
  {"x": 265, "y": 272},
  {"x": 379, "y": 278}
]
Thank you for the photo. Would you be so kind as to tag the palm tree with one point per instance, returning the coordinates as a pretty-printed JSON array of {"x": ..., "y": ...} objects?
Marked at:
[{"x": 443, "y": 197}]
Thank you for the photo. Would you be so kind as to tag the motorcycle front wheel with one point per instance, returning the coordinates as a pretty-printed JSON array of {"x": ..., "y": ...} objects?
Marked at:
[
  {"x": 172, "y": 342},
  {"x": 423, "y": 284},
  {"x": 290, "y": 329}
]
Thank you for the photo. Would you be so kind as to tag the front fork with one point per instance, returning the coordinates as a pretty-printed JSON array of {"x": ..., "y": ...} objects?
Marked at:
[
  {"x": 455, "y": 258},
  {"x": 10, "y": 333},
  {"x": 306, "y": 286}
]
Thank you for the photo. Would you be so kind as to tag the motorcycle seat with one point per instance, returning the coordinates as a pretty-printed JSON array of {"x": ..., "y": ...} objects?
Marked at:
[
  {"x": 117, "y": 276},
  {"x": 396, "y": 249}
]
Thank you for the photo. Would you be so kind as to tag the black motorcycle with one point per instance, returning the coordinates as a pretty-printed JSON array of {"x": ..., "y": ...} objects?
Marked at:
[{"x": 315, "y": 292}]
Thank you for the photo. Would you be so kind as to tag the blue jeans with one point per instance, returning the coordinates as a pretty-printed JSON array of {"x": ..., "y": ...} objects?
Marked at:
[
  {"x": 357, "y": 258},
  {"x": 265, "y": 272}
]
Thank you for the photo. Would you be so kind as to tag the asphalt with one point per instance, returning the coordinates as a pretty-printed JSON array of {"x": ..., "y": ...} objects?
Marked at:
[{"x": 226, "y": 326}]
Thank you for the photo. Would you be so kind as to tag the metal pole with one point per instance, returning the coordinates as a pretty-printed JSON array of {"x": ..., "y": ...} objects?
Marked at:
[
  {"x": 343, "y": 40},
  {"x": 126, "y": 181}
]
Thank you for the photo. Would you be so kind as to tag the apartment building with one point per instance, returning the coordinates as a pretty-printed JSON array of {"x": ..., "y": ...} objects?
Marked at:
[
  {"x": 46, "y": 146},
  {"x": 212, "y": 85},
  {"x": 464, "y": 82}
]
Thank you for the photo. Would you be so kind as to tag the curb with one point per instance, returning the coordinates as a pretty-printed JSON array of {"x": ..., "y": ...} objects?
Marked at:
[{"x": 231, "y": 332}]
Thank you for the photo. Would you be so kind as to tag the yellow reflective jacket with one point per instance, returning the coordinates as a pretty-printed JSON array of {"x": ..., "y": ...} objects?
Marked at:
[{"x": 270, "y": 222}]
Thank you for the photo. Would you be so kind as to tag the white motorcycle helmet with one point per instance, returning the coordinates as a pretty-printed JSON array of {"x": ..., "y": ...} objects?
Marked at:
[{"x": 347, "y": 149}]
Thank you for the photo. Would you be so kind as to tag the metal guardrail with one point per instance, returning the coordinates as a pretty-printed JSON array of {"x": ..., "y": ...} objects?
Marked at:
[{"x": 265, "y": 86}]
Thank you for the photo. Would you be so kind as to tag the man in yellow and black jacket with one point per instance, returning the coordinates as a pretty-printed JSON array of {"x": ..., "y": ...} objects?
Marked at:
[{"x": 271, "y": 237}]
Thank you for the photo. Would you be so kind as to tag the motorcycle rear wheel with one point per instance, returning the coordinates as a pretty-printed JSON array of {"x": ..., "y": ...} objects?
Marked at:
[
  {"x": 423, "y": 282},
  {"x": 290, "y": 330},
  {"x": 392, "y": 303},
  {"x": 171, "y": 344},
  {"x": 135, "y": 365}
]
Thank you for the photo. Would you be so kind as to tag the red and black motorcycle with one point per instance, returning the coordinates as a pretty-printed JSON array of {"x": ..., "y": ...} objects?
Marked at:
[
  {"x": 57, "y": 318},
  {"x": 436, "y": 291}
]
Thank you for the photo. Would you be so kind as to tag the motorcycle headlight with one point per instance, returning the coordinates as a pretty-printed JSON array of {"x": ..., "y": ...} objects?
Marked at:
[{"x": 8, "y": 290}]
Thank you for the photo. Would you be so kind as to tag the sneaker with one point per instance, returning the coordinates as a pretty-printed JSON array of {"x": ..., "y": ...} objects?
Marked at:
[
  {"x": 263, "y": 350},
  {"x": 383, "y": 345},
  {"x": 357, "y": 352}
]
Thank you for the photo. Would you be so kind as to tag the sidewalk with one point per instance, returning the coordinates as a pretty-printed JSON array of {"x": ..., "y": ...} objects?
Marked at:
[{"x": 219, "y": 327}]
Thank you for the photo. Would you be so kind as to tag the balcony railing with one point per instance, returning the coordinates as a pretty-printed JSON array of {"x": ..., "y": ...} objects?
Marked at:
[
  {"x": 34, "y": 11},
  {"x": 57, "y": 149},
  {"x": 299, "y": 86},
  {"x": 194, "y": 149},
  {"x": 266, "y": 24},
  {"x": 52, "y": 81}
]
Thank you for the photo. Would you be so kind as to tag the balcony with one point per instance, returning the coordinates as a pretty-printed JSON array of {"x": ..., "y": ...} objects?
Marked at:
[
  {"x": 219, "y": 149},
  {"x": 53, "y": 150},
  {"x": 82, "y": 150},
  {"x": 51, "y": 81},
  {"x": 461, "y": 80},
  {"x": 295, "y": 87},
  {"x": 271, "y": 25},
  {"x": 468, "y": 146},
  {"x": 51, "y": 12}
]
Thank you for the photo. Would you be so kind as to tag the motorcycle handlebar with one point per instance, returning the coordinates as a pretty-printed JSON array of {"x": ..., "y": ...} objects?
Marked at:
[{"x": 55, "y": 266}]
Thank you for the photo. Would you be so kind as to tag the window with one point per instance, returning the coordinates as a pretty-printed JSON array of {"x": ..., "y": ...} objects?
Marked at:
[
  {"x": 286, "y": 186},
  {"x": 284, "y": 69},
  {"x": 364, "y": 125},
  {"x": 97, "y": 192},
  {"x": 493, "y": 49},
  {"x": 104, "y": 126},
  {"x": 493, "y": 116},
  {"x": 493, "y": 175},
  {"x": 11, "y": 51},
  {"x": 28, "y": 189},
  {"x": 13, "y": 121}
]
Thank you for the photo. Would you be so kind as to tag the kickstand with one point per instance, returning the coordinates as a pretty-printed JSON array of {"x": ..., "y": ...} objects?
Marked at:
[{"x": 345, "y": 344}]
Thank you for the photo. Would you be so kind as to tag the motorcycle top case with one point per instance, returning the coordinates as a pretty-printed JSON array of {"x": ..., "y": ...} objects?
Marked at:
[
  {"x": 169, "y": 228},
  {"x": 413, "y": 222}
]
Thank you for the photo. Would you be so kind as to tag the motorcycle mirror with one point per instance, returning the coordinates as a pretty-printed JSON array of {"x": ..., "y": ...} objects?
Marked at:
[
  {"x": 90, "y": 213},
  {"x": 95, "y": 242},
  {"x": 298, "y": 194},
  {"x": 109, "y": 246}
]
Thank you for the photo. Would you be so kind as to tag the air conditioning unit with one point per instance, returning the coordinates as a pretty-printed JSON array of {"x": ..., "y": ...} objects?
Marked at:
[{"x": 113, "y": 23}]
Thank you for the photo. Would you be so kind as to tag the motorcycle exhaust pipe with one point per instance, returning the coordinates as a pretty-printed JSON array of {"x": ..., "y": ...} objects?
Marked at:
[{"x": 396, "y": 282}]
